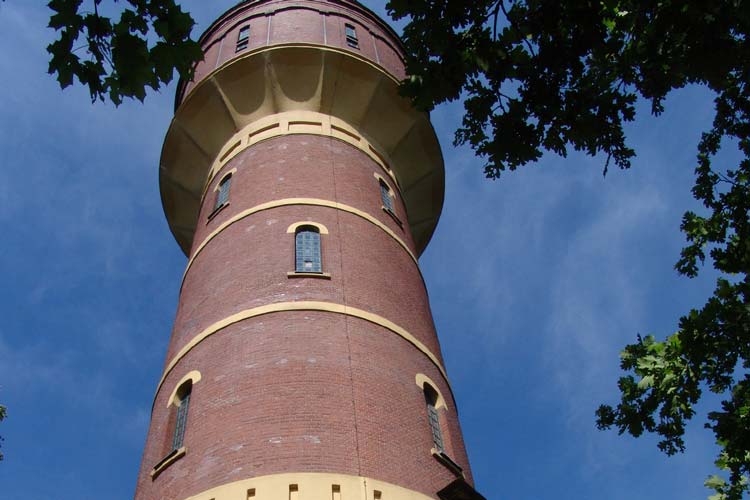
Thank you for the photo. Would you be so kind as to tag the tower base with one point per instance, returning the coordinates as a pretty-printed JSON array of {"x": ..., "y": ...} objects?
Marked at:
[{"x": 303, "y": 486}]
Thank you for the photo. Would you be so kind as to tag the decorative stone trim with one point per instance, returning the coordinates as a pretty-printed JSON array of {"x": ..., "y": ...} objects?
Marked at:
[
  {"x": 422, "y": 379},
  {"x": 301, "y": 306},
  {"x": 298, "y": 201},
  {"x": 444, "y": 459},
  {"x": 165, "y": 462},
  {"x": 194, "y": 376},
  {"x": 294, "y": 274},
  {"x": 310, "y": 485},
  {"x": 293, "y": 228},
  {"x": 298, "y": 122}
]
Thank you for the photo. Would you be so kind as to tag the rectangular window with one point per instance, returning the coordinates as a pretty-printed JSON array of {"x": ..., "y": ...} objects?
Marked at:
[
  {"x": 351, "y": 36},
  {"x": 437, "y": 435},
  {"x": 179, "y": 428},
  {"x": 243, "y": 38},
  {"x": 222, "y": 197},
  {"x": 307, "y": 252},
  {"x": 385, "y": 195}
]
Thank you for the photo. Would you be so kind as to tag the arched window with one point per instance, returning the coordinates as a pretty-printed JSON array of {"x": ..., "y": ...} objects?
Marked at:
[
  {"x": 182, "y": 401},
  {"x": 222, "y": 194},
  {"x": 307, "y": 250},
  {"x": 385, "y": 195},
  {"x": 431, "y": 399}
]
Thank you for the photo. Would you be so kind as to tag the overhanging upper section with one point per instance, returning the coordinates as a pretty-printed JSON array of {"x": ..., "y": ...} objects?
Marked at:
[{"x": 299, "y": 77}]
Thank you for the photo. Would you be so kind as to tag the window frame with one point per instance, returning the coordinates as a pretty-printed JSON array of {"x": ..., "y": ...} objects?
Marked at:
[
  {"x": 222, "y": 192},
  {"x": 431, "y": 397},
  {"x": 350, "y": 33},
  {"x": 315, "y": 249},
  {"x": 181, "y": 420},
  {"x": 386, "y": 196},
  {"x": 243, "y": 38},
  {"x": 177, "y": 420}
]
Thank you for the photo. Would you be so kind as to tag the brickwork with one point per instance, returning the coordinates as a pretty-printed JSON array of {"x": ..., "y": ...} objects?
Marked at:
[
  {"x": 302, "y": 391},
  {"x": 246, "y": 265},
  {"x": 306, "y": 392},
  {"x": 275, "y": 22}
]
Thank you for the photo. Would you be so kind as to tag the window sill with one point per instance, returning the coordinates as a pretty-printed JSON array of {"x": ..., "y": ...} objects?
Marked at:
[
  {"x": 216, "y": 211},
  {"x": 444, "y": 459},
  {"x": 323, "y": 276},
  {"x": 459, "y": 490},
  {"x": 171, "y": 458},
  {"x": 393, "y": 216}
]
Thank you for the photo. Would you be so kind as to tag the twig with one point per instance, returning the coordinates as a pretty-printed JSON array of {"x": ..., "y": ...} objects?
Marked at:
[{"x": 525, "y": 40}]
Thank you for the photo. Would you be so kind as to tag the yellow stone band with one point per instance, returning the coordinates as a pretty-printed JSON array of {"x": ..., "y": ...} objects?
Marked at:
[
  {"x": 298, "y": 201},
  {"x": 301, "y": 306},
  {"x": 298, "y": 486}
]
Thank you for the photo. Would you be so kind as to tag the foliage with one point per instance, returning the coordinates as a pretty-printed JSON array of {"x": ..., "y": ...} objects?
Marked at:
[
  {"x": 141, "y": 49},
  {"x": 540, "y": 75}
]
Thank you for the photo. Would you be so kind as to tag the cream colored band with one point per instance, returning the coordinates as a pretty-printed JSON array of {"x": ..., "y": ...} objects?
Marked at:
[
  {"x": 226, "y": 174},
  {"x": 301, "y": 306},
  {"x": 194, "y": 376},
  {"x": 298, "y": 201},
  {"x": 306, "y": 485},
  {"x": 293, "y": 228},
  {"x": 297, "y": 122},
  {"x": 421, "y": 379}
]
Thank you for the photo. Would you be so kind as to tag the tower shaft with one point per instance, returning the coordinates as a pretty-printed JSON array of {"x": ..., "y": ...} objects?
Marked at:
[{"x": 303, "y": 361}]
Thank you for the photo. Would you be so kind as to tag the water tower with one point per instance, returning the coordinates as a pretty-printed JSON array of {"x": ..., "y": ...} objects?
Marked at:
[{"x": 303, "y": 362}]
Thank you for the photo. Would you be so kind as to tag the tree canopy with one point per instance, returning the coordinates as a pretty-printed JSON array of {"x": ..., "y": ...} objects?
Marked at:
[
  {"x": 543, "y": 76},
  {"x": 143, "y": 48}
]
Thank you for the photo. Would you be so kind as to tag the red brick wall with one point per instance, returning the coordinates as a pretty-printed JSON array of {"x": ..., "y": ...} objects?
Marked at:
[
  {"x": 302, "y": 391},
  {"x": 305, "y": 21},
  {"x": 305, "y": 392}
]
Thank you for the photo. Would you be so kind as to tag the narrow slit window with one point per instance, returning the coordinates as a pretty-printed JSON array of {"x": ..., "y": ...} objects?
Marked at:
[
  {"x": 222, "y": 195},
  {"x": 430, "y": 396},
  {"x": 385, "y": 195},
  {"x": 351, "y": 36},
  {"x": 307, "y": 250},
  {"x": 243, "y": 38},
  {"x": 178, "y": 437}
]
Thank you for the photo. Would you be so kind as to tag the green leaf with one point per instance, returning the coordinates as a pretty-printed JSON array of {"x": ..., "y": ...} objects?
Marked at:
[{"x": 646, "y": 382}]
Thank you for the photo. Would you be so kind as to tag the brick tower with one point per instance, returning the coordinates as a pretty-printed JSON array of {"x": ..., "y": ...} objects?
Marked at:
[{"x": 303, "y": 363}]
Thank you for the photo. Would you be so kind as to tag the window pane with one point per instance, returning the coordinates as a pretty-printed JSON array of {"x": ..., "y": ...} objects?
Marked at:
[
  {"x": 243, "y": 38},
  {"x": 385, "y": 195},
  {"x": 179, "y": 429},
  {"x": 222, "y": 197},
  {"x": 351, "y": 36},
  {"x": 307, "y": 251},
  {"x": 437, "y": 435}
]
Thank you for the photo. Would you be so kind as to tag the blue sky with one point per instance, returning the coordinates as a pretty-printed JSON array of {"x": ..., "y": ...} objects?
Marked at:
[{"x": 536, "y": 283}]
